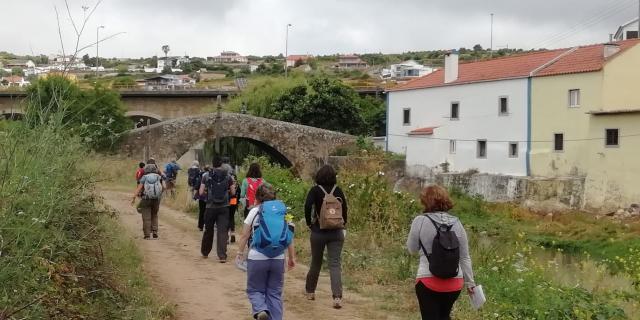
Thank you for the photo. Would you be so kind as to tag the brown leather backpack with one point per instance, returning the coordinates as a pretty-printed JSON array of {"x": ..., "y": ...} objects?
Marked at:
[{"x": 331, "y": 211}]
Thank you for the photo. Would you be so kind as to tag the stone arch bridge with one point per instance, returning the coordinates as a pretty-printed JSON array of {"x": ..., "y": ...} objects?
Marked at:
[{"x": 304, "y": 147}]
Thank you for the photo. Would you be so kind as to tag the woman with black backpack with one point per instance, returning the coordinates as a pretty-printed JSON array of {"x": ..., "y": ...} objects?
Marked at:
[{"x": 445, "y": 265}]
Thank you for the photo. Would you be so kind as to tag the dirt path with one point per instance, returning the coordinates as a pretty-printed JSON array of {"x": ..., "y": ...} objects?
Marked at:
[{"x": 205, "y": 289}]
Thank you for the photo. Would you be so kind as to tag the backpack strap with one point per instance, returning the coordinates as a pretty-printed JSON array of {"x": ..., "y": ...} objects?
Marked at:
[
  {"x": 323, "y": 190},
  {"x": 424, "y": 250}
]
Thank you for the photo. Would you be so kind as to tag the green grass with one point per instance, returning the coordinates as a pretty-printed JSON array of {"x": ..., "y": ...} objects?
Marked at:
[
  {"x": 59, "y": 254},
  {"x": 574, "y": 267}
]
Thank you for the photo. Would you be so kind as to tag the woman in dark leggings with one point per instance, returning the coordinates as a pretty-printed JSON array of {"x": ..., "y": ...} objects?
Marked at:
[
  {"x": 436, "y": 296},
  {"x": 332, "y": 239}
]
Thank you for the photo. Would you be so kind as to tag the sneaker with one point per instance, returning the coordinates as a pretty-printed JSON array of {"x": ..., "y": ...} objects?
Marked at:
[
  {"x": 311, "y": 296},
  {"x": 205, "y": 257},
  {"x": 337, "y": 303},
  {"x": 222, "y": 260},
  {"x": 147, "y": 237},
  {"x": 262, "y": 315},
  {"x": 155, "y": 236}
]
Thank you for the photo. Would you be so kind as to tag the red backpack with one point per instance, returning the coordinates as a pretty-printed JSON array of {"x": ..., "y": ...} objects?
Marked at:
[{"x": 253, "y": 185}]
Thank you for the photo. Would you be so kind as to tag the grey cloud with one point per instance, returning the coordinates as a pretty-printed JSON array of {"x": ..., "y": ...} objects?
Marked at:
[{"x": 205, "y": 27}]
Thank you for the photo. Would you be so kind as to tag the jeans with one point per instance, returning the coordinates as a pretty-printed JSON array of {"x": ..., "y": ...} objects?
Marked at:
[
  {"x": 435, "y": 305},
  {"x": 149, "y": 210},
  {"x": 202, "y": 207},
  {"x": 218, "y": 218},
  {"x": 333, "y": 240},
  {"x": 265, "y": 279}
]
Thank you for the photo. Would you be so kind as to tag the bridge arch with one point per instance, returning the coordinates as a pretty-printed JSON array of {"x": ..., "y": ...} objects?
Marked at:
[
  {"x": 141, "y": 118},
  {"x": 304, "y": 147}
]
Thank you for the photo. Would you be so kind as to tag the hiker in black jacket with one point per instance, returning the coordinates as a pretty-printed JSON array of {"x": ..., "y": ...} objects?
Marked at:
[{"x": 333, "y": 239}]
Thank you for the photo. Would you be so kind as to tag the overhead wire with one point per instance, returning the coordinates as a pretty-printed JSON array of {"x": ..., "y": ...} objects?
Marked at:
[{"x": 599, "y": 16}]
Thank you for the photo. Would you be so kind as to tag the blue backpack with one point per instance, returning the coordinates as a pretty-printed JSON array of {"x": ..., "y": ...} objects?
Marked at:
[{"x": 272, "y": 236}]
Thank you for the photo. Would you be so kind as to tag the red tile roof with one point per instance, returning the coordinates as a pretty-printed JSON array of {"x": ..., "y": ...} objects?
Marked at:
[
  {"x": 583, "y": 59},
  {"x": 422, "y": 131},
  {"x": 296, "y": 57}
]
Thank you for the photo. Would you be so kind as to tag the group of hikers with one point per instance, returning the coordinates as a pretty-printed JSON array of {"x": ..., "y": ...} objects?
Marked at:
[{"x": 266, "y": 244}]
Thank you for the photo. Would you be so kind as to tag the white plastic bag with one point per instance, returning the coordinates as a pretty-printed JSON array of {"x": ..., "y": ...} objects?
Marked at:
[
  {"x": 477, "y": 298},
  {"x": 241, "y": 264}
]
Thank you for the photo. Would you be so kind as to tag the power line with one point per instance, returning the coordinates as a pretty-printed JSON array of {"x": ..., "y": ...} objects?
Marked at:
[{"x": 599, "y": 16}]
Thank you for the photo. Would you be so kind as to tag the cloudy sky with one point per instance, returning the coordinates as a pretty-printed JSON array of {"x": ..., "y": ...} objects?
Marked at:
[{"x": 206, "y": 27}]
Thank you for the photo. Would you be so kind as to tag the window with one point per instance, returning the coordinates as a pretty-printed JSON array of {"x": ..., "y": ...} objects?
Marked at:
[
  {"x": 406, "y": 116},
  {"x": 455, "y": 110},
  {"x": 482, "y": 149},
  {"x": 452, "y": 146},
  {"x": 574, "y": 98},
  {"x": 612, "y": 137},
  {"x": 513, "y": 149},
  {"x": 504, "y": 106},
  {"x": 632, "y": 34},
  {"x": 558, "y": 142}
]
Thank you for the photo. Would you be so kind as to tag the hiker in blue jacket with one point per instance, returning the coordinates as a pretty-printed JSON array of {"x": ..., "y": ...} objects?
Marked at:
[{"x": 265, "y": 269}]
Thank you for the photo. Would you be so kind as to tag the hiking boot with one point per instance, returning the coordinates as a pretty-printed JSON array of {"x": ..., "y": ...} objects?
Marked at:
[
  {"x": 337, "y": 303},
  {"x": 310, "y": 296},
  {"x": 262, "y": 315},
  {"x": 155, "y": 236}
]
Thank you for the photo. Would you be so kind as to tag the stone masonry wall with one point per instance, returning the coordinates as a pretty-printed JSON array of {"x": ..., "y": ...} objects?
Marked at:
[{"x": 302, "y": 145}]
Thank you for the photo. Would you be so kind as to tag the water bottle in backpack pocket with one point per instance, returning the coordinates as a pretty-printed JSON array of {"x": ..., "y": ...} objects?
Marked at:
[
  {"x": 272, "y": 235},
  {"x": 444, "y": 260}
]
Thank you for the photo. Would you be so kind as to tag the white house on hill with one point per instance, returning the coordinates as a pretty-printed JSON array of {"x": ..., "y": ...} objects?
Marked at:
[
  {"x": 469, "y": 115},
  {"x": 626, "y": 31}
]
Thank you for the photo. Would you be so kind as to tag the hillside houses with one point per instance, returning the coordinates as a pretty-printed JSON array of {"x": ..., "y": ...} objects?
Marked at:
[{"x": 558, "y": 113}]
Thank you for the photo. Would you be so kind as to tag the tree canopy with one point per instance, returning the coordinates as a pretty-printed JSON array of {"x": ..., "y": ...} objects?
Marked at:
[{"x": 97, "y": 114}]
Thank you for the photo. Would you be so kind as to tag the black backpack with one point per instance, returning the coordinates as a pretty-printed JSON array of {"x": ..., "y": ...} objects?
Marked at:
[
  {"x": 444, "y": 260},
  {"x": 218, "y": 187},
  {"x": 195, "y": 175}
]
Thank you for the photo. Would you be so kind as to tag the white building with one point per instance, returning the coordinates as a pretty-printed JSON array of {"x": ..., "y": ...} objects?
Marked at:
[
  {"x": 406, "y": 70},
  {"x": 628, "y": 30},
  {"x": 469, "y": 116}
]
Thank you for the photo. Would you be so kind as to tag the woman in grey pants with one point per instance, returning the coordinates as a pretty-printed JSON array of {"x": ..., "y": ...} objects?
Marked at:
[{"x": 332, "y": 239}]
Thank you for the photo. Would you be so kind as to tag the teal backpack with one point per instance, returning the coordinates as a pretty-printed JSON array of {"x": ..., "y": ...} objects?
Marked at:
[{"x": 272, "y": 236}]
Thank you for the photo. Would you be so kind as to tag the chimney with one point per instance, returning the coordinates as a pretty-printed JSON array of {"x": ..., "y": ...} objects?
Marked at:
[
  {"x": 610, "y": 49},
  {"x": 451, "y": 66}
]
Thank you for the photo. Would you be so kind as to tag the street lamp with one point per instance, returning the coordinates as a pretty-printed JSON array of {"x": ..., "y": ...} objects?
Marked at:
[
  {"x": 286, "y": 50},
  {"x": 97, "y": 46}
]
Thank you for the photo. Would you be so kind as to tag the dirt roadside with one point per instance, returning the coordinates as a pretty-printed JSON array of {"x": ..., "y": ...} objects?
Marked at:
[{"x": 203, "y": 289}]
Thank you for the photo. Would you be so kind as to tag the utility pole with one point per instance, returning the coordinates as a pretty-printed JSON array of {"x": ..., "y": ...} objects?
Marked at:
[
  {"x": 491, "y": 43},
  {"x": 286, "y": 50},
  {"x": 218, "y": 123},
  {"x": 97, "y": 46}
]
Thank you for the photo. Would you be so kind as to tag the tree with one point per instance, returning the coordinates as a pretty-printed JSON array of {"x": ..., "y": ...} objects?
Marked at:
[
  {"x": 323, "y": 103},
  {"x": 97, "y": 115},
  {"x": 85, "y": 59},
  {"x": 166, "y": 69},
  {"x": 477, "y": 48}
]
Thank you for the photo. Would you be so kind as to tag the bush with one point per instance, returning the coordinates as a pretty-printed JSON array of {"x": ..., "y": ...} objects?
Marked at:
[
  {"x": 51, "y": 254},
  {"x": 97, "y": 115}
]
